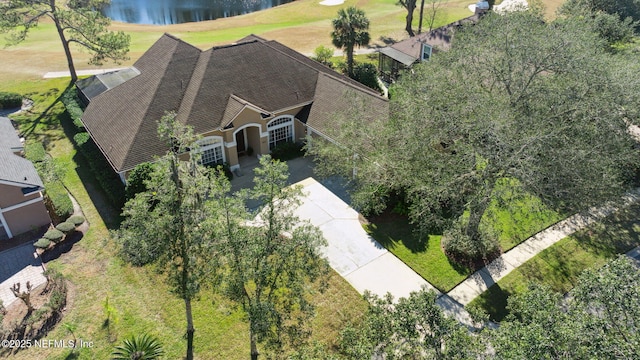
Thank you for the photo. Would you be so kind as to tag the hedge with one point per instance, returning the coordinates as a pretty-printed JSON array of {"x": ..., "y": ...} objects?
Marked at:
[
  {"x": 34, "y": 151},
  {"x": 53, "y": 235},
  {"x": 57, "y": 195},
  {"x": 74, "y": 107},
  {"x": 76, "y": 220},
  {"x": 9, "y": 100},
  {"x": 100, "y": 168},
  {"x": 287, "y": 151},
  {"x": 42, "y": 243},
  {"x": 66, "y": 227}
]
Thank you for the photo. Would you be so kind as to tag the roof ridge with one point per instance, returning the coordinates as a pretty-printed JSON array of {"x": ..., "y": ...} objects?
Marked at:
[
  {"x": 173, "y": 37},
  {"x": 364, "y": 88}
]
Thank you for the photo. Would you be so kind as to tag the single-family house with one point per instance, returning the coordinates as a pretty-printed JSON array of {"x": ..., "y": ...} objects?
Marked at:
[
  {"x": 21, "y": 201},
  {"x": 395, "y": 58},
  {"x": 242, "y": 98}
]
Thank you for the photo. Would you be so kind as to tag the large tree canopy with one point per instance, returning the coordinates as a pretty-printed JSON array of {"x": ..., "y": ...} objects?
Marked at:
[
  {"x": 516, "y": 98},
  {"x": 76, "y": 21}
]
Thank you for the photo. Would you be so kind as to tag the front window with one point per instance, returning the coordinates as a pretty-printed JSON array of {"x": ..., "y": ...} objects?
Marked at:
[
  {"x": 280, "y": 131},
  {"x": 211, "y": 150}
]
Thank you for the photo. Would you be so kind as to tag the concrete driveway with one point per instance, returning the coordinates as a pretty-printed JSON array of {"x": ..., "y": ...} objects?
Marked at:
[{"x": 351, "y": 252}]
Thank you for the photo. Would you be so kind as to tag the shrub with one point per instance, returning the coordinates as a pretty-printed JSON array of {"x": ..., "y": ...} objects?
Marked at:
[
  {"x": 66, "y": 227},
  {"x": 10, "y": 100},
  {"x": 287, "y": 151},
  {"x": 366, "y": 74},
  {"x": 34, "y": 151},
  {"x": 466, "y": 251},
  {"x": 136, "y": 181},
  {"x": 74, "y": 107},
  {"x": 54, "y": 235},
  {"x": 81, "y": 138},
  {"x": 42, "y": 243},
  {"x": 76, "y": 220},
  {"x": 59, "y": 199},
  {"x": 323, "y": 55},
  {"x": 100, "y": 168}
]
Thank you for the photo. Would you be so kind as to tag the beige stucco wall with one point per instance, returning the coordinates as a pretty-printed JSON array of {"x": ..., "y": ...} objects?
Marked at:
[
  {"x": 27, "y": 218},
  {"x": 11, "y": 195}
]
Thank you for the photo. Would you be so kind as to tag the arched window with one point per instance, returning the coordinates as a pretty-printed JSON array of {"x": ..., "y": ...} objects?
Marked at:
[
  {"x": 280, "y": 131},
  {"x": 211, "y": 150}
]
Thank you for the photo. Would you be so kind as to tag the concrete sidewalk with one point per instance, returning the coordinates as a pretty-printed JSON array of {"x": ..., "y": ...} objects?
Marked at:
[
  {"x": 59, "y": 74},
  {"x": 484, "y": 278}
]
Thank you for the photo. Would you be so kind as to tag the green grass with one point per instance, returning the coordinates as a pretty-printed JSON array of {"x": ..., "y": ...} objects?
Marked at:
[
  {"x": 423, "y": 255},
  {"x": 515, "y": 216},
  {"x": 560, "y": 265},
  {"x": 142, "y": 302}
]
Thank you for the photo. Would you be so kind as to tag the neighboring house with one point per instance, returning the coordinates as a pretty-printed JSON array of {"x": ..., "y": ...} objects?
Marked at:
[
  {"x": 251, "y": 94},
  {"x": 21, "y": 201},
  {"x": 394, "y": 59}
]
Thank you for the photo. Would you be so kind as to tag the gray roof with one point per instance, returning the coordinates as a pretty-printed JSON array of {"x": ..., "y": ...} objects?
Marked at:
[
  {"x": 207, "y": 89},
  {"x": 9, "y": 139},
  {"x": 398, "y": 55},
  {"x": 18, "y": 171}
]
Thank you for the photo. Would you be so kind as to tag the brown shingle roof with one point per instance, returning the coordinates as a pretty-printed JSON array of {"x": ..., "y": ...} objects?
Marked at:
[
  {"x": 439, "y": 39},
  {"x": 207, "y": 89}
]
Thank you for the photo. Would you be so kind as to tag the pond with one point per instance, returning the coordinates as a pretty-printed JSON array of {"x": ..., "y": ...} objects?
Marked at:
[{"x": 165, "y": 12}]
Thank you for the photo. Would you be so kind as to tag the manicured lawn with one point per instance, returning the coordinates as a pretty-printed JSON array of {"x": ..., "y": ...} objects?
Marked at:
[
  {"x": 560, "y": 265},
  {"x": 423, "y": 255},
  {"x": 142, "y": 302},
  {"x": 516, "y": 217}
]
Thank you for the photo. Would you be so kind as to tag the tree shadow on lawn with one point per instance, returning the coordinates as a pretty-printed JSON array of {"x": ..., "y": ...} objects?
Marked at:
[
  {"x": 389, "y": 228},
  {"x": 494, "y": 302},
  {"x": 43, "y": 117},
  {"x": 617, "y": 233}
]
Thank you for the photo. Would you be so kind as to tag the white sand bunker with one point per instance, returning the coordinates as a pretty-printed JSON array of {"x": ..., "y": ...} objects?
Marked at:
[
  {"x": 505, "y": 6},
  {"x": 511, "y": 5},
  {"x": 331, "y": 2}
]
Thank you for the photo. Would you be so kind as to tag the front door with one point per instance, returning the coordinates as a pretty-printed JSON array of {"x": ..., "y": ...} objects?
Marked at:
[{"x": 240, "y": 144}]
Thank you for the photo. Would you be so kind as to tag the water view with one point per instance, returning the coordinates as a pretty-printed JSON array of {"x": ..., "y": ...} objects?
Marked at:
[{"x": 164, "y": 12}]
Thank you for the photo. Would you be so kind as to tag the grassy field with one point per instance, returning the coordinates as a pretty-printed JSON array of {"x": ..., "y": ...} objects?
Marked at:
[
  {"x": 301, "y": 24},
  {"x": 141, "y": 300},
  {"x": 560, "y": 265}
]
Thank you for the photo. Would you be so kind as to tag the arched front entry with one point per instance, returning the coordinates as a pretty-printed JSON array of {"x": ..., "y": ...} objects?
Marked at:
[{"x": 247, "y": 139}]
